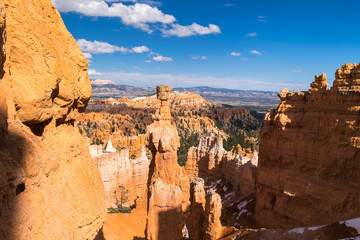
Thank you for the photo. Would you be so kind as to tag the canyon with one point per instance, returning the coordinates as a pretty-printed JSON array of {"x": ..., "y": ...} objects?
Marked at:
[{"x": 182, "y": 167}]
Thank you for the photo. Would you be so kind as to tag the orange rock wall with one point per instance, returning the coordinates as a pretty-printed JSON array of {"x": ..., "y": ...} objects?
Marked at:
[
  {"x": 308, "y": 165},
  {"x": 49, "y": 185}
]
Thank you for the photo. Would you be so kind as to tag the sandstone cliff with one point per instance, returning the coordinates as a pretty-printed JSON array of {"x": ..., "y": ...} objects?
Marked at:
[
  {"x": 308, "y": 165},
  {"x": 50, "y": 187}
]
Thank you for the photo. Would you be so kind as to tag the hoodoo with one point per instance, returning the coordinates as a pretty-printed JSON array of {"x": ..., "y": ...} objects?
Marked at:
[{"x": 168, "y": 186}]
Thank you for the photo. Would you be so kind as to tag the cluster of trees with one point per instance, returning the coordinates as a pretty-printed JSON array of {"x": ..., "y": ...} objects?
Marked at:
[{"x": 187, "y": 140}]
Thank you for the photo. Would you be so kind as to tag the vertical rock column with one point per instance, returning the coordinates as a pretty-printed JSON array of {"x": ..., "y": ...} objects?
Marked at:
[
  {"x": 196, "y": 219},
  {"x": 168, "y": 185},
  {"x": 213, "y": 227}
]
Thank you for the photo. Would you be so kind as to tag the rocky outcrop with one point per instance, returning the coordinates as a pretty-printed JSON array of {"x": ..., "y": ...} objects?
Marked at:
[
  {"x": 117, "y": 169},
  {"x": 211, "y": 161},
  {"x": 308, "y": 165},
  {"x": 49, "y": 185},
  {"x": 168, "y": 186}
]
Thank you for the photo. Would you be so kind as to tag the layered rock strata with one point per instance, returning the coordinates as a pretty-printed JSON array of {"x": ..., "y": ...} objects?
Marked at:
[
  {"x": 49, "y": 185},
  {"x": 308, "y": 165},
  {"x": 117, "y": 170},
  {"x": 168, "y": 186},
  {"x": 211, "y": 161}
]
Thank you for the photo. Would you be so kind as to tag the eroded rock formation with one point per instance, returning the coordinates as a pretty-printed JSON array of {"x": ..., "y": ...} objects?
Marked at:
[
  {"x": 213, "y": 228},
  {"x": 168, "y": 186},
  {"x": 118, "y": 169},
  {"x": 211, "y": 161},
  {"x": 196, "y": 218},
  {"x": 308, "y": 165},
  {"x": 49, "y": 185}
]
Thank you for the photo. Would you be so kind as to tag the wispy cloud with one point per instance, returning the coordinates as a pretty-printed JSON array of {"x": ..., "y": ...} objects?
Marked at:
[
  {"x": 148, "y": 61},
  {"x": 93, "y": 72},
  {"x": 296, "y": 71},
  {"x": 142, "y": 14},
  {"x": 199, "y": 57},
  {"x": 252, "y": 34},
  {"x": 236, "y": 54},
  {"x": 261, "y": 19},
  {"x": 162, "y": 59},
  {"x": 229, "y": 5},
  {"x": 255, "y": 52},
  {"x": 190, "y": 30}
]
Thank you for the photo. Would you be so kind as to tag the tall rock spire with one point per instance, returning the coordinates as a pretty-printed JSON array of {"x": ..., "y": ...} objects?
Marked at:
[{"x": 168, "y": 187}]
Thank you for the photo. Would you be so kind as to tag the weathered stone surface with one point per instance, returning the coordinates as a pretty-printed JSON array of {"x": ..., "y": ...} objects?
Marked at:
[
  {"x": 213, "y": 227},
  {"x": 118, "y": 169},
  {"x": 210, "y": 160},
  {"x": 49, "y": 185},
  {"x": 168, "y": 186},
  {"x": 308, "y": 164},
  {"x": 46, "y": 73}
]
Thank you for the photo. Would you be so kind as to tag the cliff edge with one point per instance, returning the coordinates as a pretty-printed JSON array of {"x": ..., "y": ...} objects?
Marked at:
[{"x": 50, "y": 187}]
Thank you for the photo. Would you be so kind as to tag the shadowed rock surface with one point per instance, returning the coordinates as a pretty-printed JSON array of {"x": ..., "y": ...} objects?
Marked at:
[{"x": 49, "y": 185}]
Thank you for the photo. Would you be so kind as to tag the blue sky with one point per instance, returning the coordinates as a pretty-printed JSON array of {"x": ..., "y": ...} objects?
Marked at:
[{"x": 257, "y": 44}]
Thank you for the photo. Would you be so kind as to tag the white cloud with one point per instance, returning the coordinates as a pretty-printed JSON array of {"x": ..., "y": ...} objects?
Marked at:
[
  {"x": 252, "y": 34},
  {"x": 190, "y": 30},
  {"x": 236, "y": 54},
  {"x": 181, "y": 80},
  {"x": 93, "y": 72},
  {"x": 162, "y": 59},
  {"x": 140, "y": 14},
  {"x": 99, "y": 47},
  {"x": 296, "y": 71},
  {"x": 140, "y": 49},
  {"x": 137, "y": 15},
  {"x": 255, "y": 52},
  {"x": 87, "y": 55},
  {"x": 136, "y": 67},
  {"x": 204, "y": 58},
  {"x": 148, "y": 61}
]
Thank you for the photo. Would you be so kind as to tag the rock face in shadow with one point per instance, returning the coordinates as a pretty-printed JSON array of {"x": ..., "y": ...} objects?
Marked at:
[
  {"x": 168, "y": 186},
  {"x": 308, "y": 168},
  {"x": 196, "y": 219},
  {"x": 49, "y": 185}
]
